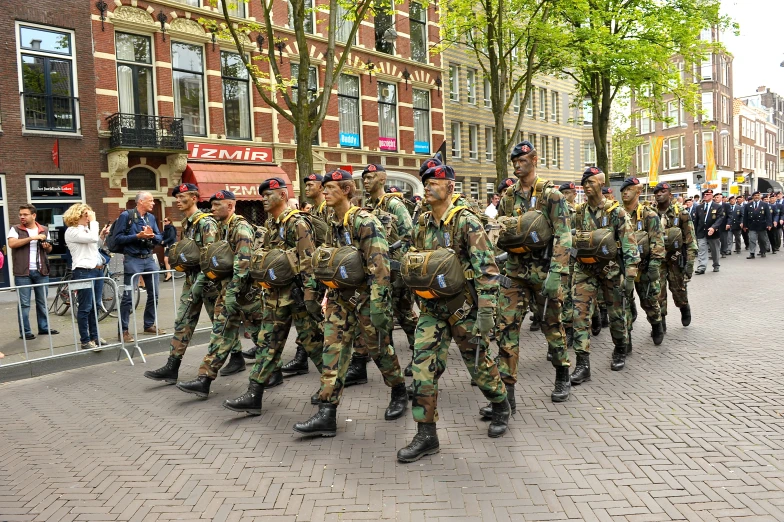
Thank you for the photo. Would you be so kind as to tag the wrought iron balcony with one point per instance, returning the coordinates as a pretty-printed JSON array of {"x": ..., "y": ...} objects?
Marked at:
[{"x": 140, "y": 131}]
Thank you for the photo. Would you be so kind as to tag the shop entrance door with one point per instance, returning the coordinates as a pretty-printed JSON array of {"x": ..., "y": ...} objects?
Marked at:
[{"x": 5, "y": 279}]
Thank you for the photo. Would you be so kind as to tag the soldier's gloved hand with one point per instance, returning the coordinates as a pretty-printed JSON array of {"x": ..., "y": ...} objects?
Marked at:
[
  {"x": 230, "y": 306},
  {"x": 485, "y": 322},
  {"x": 653, "y": 273},
  {"x": 552, "y": 285},
  {"x": 314, "y": 309}
]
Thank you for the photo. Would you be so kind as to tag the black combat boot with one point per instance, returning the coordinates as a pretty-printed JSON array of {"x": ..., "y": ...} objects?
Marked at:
[
  {"x": 323, "y": 423},
  {"x": 398, "y": 403},
  {"x": 248, "y": 402},
  {"x": 250, "y": 353},
  {"x": 549, "y": 354},
  {"x": 500, "y": 419},
  {"x": 582, "y": 369},
  {"x": 168, "y": 373},
  {"x": 487, "y": 411},
  {"x": 657, "y": 334},
  {"x": 563, "y": 385},
  {"x": 236, "y": 365},
  {"x": 275, "y": 379},
  {"x": 685, "y": 315},
  {"x": 314, "y": 399},
  {"x": 299, "y": 364},
  {"x": 200, "y": 386},
  {"x": 618, "y": 356},
  {"x": 605, "y": 318},
  {"x": 596, "y": 324},
  {"x": 425, "y": 443},
  {"x": 357, "y": 371},
  {"x": 629, "y": 346},
  {"x": 664, "y": 323},
  {"x": 633, "y": 306},
  {"x": 409, "y": 372},
  {"x": 535, "y": 326},
  {"x": 750, "y": 256}
]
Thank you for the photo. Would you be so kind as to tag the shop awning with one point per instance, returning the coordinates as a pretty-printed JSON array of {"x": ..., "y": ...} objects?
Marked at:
[
  {"x": 768, "y": 185},
  {"x": 241, "y": 179}
]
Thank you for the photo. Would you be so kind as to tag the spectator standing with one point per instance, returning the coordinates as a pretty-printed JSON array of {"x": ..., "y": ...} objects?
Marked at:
[
  {"x": 708, "y": 222},
  {"x": 138, "y": 235},
  {"x": 169, "y": 238},
  {"x": 82, "y": 238},
  {"x": 757, "y": 220},
  {"x": 492, "y": 209},
  {"x": 29, "y": 243}
]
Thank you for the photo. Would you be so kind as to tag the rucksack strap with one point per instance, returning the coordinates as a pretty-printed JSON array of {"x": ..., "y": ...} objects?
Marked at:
[
  {"x": 193, "y": 224},
  {"x": 288, "y": 216}
]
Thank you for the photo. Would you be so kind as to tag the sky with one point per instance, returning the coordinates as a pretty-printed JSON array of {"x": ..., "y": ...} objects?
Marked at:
[{"x": 759, "y": 48}]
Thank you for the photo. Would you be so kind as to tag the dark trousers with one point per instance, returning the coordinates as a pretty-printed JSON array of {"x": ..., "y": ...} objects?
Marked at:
[
  {"x": 86, "y": 315},
  {"x": 737, "y": 235},
  {"x": 34, "y": 278},
  {"x": 725, "y": 242},
  {"x": 745, "y": 234},
  {"x": 135, "y": 265}
]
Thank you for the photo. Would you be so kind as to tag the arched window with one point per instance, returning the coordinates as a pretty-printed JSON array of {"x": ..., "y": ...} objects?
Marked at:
[{"x": 140, "y": 178}]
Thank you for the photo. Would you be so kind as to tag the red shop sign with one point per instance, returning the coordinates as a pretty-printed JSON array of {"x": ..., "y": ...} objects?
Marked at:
[{"x": 212, "y": 152}]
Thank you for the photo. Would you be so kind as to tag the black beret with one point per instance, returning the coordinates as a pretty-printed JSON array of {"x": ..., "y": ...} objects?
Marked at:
[
  {"x": 707, "y": 191},
  {"x": 567, "y": 186},
  {"x": 271, "y": 184},
  {"x": 606, "y": 190},
  {"x": 433, "y": 162},
  {"x": 222, "y": 194},
  {"x": 336, "y": 175},
  {"x": 628, "y": 182},
  {"x": 439, "y": 172},
  {"x": 590, "y": 172},
  {"x": 505, "y": 184},
  {"x": 314, "y": 177},
  {"x": 373, "y": 168},
  {"x": 416, "y": 198},
  {"x": 521, "y": 149},
  {"x": 185, "y": 187},
  {"x": 661, "y": 186}
]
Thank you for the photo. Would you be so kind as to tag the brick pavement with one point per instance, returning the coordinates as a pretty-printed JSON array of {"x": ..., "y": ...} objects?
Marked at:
[{"x": 691, "y": 430}]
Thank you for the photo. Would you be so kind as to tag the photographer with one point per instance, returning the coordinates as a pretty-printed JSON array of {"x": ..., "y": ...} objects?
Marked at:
[
  {"x": 30, "y": 245},
  {"x": 138, "y": 235}
]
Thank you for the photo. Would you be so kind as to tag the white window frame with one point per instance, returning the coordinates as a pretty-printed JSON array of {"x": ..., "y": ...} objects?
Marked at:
[
  {"x": 151, "y": 65},
  {"x": 516, "y": 102},
  {"x": 358, "y": 99},
  {"x": 555, "y": 161},
  {"x": 454, "y": 82},
  {"x": 709, "y": 115},
  {"x": 489, "y": 143},
  {"x": 423, "y": 8},
  {"x": 205, "y": 92},
  {"x": 474, "y": 190},
  {"x": 645, "y": 157},
  {"x": 473, "y": 142},
  {"x": 397, "y": 113},
  {"x": 543, "y": 150},
  {"x": 673, "y": 145},
  {"x": 706, "y": 69},
  {"x": 456, "y": 138},
  {"x": 290, "y": 21},
  {"x": 486, "y": 94},
  {"x": 673, "y": 113},
  {"x": 542, "y": 103},
  {"x": 429, "y": 116},
  {"x": 554, "y": 99},
  {"x": 458, "y": 187},
  {"x": 529, "y": 106},
  {"x": 471, "y": 86}
]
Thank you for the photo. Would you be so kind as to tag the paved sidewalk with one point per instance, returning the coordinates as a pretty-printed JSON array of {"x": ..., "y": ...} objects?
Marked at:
[{"x": 691, "y": 430}]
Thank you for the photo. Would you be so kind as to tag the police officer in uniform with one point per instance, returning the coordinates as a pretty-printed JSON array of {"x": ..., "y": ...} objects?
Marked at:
[{"x": 757, "y": 220}]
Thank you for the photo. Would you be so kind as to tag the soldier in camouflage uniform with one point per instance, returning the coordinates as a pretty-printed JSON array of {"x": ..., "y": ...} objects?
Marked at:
[
  {"x": 468, "y": 323},
  {"x": 367, "y": 309},
  {"x": 203, "y": 229},
  {"x": 592, "y": 275},
  {"x": 645, "y": 219},
  {"x": 569, "y": 192},
  {"x": 237, "y": 298},
  {"x": 287, "y": 229},
  {"x": 678, "y": 266},
  {"x": 540, "y": 275}
]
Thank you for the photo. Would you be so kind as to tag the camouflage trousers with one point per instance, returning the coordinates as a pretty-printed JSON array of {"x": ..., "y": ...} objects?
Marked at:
[
  {"x": 276, "y": 323},
  {"x": 649, "y": 298},
  {"x": 403, "y": 311},
  {"x": 509, "y": 315},
  {"x": 586, "y": 287},
  {"x": 433, "y": 336},
  {"x": 341, "y": 325},
  {"x": 188, "y": 312},
  {"x": 226, "y": 330},
  {"x": 670, "y": 273},
  {"x": 567, "y": 311}
]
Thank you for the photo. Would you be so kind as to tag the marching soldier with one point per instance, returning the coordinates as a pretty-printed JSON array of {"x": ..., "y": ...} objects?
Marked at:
[
  {"x": 537, "y": 271},
  {"x": 775, "y": 215},
  {"x": 457, "y": 304},
  {"x": 650, "y": 245},
  {"x": 569, "y": 192},
  {"x": 289, "y": 295},
  {"x": 601, "y": 267},
  {"x": 680, "y": 249},
  {"x": 228, "y": 261},
  {"x": 708, "y": 222},
  {"x": 734, "y": 219},
  {"x": 202, "y": 229},
  {"x": 359, "y": 249},
  {"x": 757, "y": 219}
]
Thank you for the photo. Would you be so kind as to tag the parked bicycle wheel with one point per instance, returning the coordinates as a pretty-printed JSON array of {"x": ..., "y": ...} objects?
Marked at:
[
  {"x": 62, "y": 298},
  {"x": 108, "y": 303}
]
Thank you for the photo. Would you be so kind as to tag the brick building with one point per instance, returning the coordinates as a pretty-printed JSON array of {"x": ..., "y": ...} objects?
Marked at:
[
  {"x": 47, "y": 59},
  {"x": 684, "y": 157},
  {"x": 183, "y": 109},
  {"x": 756, "y": 149},
  {"x": 773, "y": 104}
]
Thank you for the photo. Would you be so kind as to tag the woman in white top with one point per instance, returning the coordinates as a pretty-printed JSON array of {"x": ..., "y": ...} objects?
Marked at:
[{"x": 82, "y": 237}]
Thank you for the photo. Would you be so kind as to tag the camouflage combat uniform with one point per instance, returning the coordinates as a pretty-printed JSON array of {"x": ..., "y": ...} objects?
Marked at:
[
  {"x": 238, "y": 291},
  {"x": 434, "y": 331},
  {"x": 279, "y": 307},
  {"x": 675, "y": 270},
  {"x": 348, "y": 311},
  {"x": 645, "y": 218},
  {"x": 589, "y": 280},
  {"x": 567, "y": 313},
  {"x": 528, "y": 272}
]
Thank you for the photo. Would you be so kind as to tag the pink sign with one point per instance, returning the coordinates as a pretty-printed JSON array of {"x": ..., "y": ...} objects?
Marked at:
[
  {"x": 387, "y": 143},
  {"x": 209, "y": 151}
]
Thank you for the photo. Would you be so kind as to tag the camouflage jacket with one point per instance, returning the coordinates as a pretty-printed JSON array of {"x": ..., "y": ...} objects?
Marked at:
[
  {"x": 322, "y": 211},
  {"x": 645, "y": 218},
  {"x": 677, "y": 216},
  {"x": 405, "y": 228},
  {"x": 239, "y": 233},
  {"x": 367, "y": 234},
  {"x": 469, "y": 241},
  {"x": 556, "y": 211},
  {"x": 294, "y": 232},
  {"x": 624, "y": 234},
  {"x": 204, "y": 233}
]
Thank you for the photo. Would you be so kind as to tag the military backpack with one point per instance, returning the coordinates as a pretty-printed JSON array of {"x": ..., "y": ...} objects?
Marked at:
[
  {"x": 529, "y": 230},
  {"x": 641, "y": 235},
  {"x": 673, "y": 235},
  {"x": 276, "y": 267},
  {"x": 341, "y": 267},
  {"x": 217, "y": 259},
  {"x": 595, "y": 247},
  {"x": 185, "y": 254}
]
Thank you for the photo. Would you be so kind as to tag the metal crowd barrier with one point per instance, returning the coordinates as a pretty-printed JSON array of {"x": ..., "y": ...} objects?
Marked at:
[{"x": 73, "y": 285}]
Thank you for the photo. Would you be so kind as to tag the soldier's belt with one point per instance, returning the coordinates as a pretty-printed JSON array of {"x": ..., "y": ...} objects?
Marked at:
[{"x": 459, "y": 308}]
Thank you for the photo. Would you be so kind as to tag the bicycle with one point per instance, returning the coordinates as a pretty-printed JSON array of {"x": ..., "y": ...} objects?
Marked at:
[{"x": 63, "y": 298}]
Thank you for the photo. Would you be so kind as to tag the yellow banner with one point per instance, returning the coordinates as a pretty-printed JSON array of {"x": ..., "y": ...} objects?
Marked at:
[
  {"x": 656, "y": 148},
  {"x": 710, "y": 170}
]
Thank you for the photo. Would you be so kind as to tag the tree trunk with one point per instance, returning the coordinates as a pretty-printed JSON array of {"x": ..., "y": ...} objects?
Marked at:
[
  {"x": 304, "y": 156},
  {"x": 499, "y": 137}
]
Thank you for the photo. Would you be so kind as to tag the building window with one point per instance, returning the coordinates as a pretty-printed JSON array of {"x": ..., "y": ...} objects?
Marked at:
[
  {"x": 543, "y": 153},
  {"x": 471, "y": 85},
  {"x": 417, "y": 18},
  {"x": 348, "y": 111},
  {"x": 707, "y": 106},
  {"x": 532, "y": 139},
  {"x": 456, "y": 130},
  {"x": 236, "y": 96},
  {"x": 516, "y": 102},
  {"x": 645, "y": 157},
  {"x": 542, "y": 104},
  {"x": 192, "y": 3},
  {"x": 141, "y": 178},
  {"x": 646, "y": 124},
  {"x": 589, "y": 154},
  {"x": 489, "y": 140},
  {"x": 309, "y": 22},
  {"x": 234, "y": 7},
  {"x": 529, "y": 106},
  {"x": 673, "y": 154},
  {"x": 387, "y": 116},
  {"x": 488, "y": 101},
  {"x": 706, "y": 69},
  {"x": 458, "y": 187},
  {"x": 706, "y": 137},
  {"x": 556, "y": 155},
  {"x": 312, "y": 89},
  {"x": 421, "y": 121},
  {"x": 344, "y": 26},
  {"x": 134, "y": 74},
  {"x": 588, "y": 113},
  {"x": 673, "y": 111},
  {"x": 490, "y": 188},
  {"x": 47, "y": 79},
  {"x": 384, "y": 22},
  {"x": 473, "y": 142},
  {"x": 475, "y": 190},
  {"x": 454, "y": 83},
  {"x": 554, "y": 106},
  {"x": 725, "y": 151},
  {"x": 188, "y": 75}
]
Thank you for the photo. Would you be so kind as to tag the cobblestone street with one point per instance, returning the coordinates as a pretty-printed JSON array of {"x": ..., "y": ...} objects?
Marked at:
[{"x": 690, "y": 430}]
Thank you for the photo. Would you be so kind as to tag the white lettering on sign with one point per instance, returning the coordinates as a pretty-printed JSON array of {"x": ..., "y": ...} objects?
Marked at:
[
  {"x": 243, "y": 190},
  {"x": 207, "y": 151}
]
